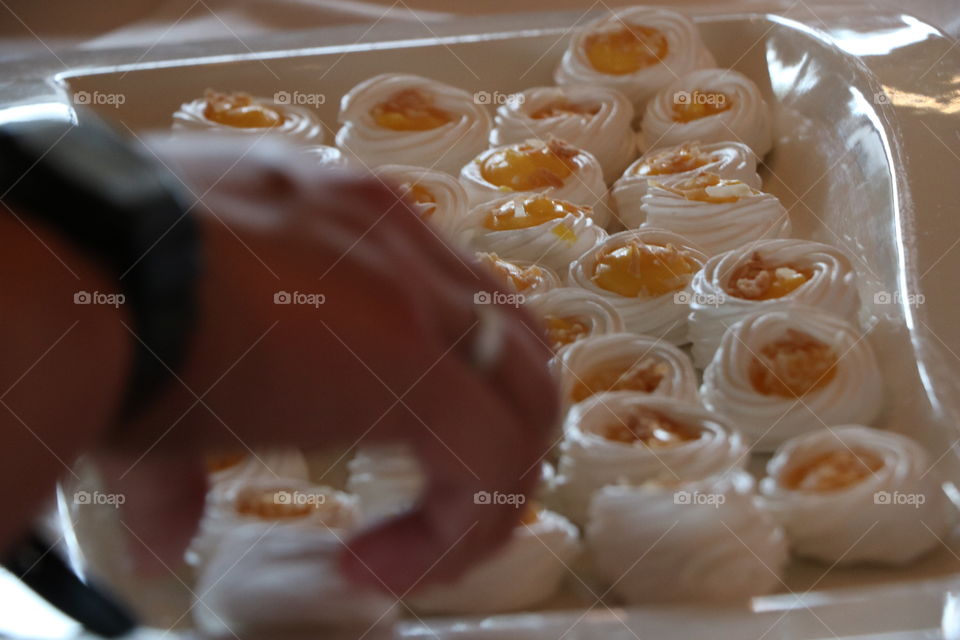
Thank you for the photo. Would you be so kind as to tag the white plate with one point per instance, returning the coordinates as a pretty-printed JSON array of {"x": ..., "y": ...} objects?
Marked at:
[{"x": 866, "y": 159}]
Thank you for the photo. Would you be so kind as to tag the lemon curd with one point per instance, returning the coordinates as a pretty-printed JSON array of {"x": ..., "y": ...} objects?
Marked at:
[
  {"x": 409, "y": 110},
  {"x": 793, "y": 366},
  {"x": 240, "y": 110},
  {"x": 832, "y": 471},
  {"x": 528, "y": 167},
  {"x": 564, "y": 330},
  {"x": 521, "y": 278},
  {"x": 688, "y": 157},
  {"x": 528, "y": 212},
  {"x": 419, "y": 195},
  {"x": 626, "y": 50},
  {"x": 649, "y": 428},
  {"x": 710, "y": 188},
  {"x": 272, "y": 504},
  {"x": 564, "y": 108},
  {"x": 644, "y": 376},
  {"x": 758, "y": 280},
  {"x": 700, "y": 104},
  {"x": 638, "y": 269}
]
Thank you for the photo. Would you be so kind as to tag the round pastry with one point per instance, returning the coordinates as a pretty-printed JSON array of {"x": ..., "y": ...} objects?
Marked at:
[
  {"x": 437, "y": 196},
  {"x": 405, "y": 119},
  {"x": 572, "y": 314},
  {"x": 783, "y": 372},
  {"x": 228, "y": 469},
  {"x": 592, "y": 118},
  {"x": 694, "y": 542},
  {"x": 729, "y": 160},
  {"x": 716, "y": 213},
  {"x": 267, "y": 580},
  {"x": 625, "y": 362},
  {"x": 281, "y": 502},
  {"x": 536, "y": 228},
  {"x": 632, "y": 438},
  {"x": 528, "y": 569},
  {"x": 241, "y": 113},
  {"x": 637, "y": 51},
  {"x": 387, "y": 479},
  {"x": 645, "y": 274},
  {"x": 553, "y": 168},
  {"x": 766, "y": 274},
  {"x": 328, "y": 157},
  {"x": 853, "y": 494},
  {"x": 709, "y": 105},
  {"x": 521, "y": 276}
]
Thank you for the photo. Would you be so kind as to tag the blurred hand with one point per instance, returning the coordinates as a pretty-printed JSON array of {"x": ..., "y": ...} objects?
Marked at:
[{"x": 387, "y": 355}]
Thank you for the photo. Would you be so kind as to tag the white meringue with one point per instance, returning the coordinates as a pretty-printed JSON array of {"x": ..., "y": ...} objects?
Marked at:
[
  {"x": 747, "y": 117},
  {"x": 527, "y": 570},
  {"x": 584, "y": 186},
  {"x": 573, "y": 314},
  {"x": 500, "y": 227},
  {"x": 717, "y": 302},
  {"x": 437, "y": 196},
  {"x": 521, "y": 276},
  {"x": 729, "y": 160},
  {"x": 299, "y": 123},
  {"x": 284, "y": 502},
  {"x": 386, "y": 479},
  {"x": 685, "y": 51},
  {"x": 593, "y": 118},
  {"x": 662, "y": 314},
  {"x": 891, "y": 514},
  {"x": 445, "y": 147},
  {"x": 717, "y": 214},
  {"x": 641, "y": 364},
  {"x": 603, "y": 446},
  {"x": 282, "y": 580},
  {"x": 270, "y": 465},
  {"x": 825, "y": 373},
  {"x": 695, "y": 542},
  {"x": 328, "y": 157}
]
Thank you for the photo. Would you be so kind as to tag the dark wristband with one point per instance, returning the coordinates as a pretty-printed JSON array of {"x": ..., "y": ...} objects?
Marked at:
[{"x": 124, "y": 210}]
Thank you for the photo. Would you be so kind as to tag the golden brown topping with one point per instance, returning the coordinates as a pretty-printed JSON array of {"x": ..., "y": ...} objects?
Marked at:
[
  {"x": 564, "y": 330},
  {"x": 758, "y": 280},
  {"x": 686, "y": 158},
  {"x": 650, "y": 428},
  {"x": 832, "y": 471},
  {"x": 793, "y": 366},
  {"x": 528, "y": 167},
  {"x": 564, "y": 108},
  {"x": 645, "y": 376}
]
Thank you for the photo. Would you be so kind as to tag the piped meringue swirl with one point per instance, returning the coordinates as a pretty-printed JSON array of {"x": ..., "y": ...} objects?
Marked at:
[
  {"x": 436, "y": 196},
  {"x": 709, "y": 105},
  {"x": 446, "y": 142},
  {"x": 521, "y": 276},
  {"x": 851, "y": 494},
  {"x": 716, "y": 213},
  {"x": 663, "y": 45},
  {"x": 596, "y": 119},
  {"x": 632, "y": 438},
  {"x": 729, "y": 160},
  {"x": 646, "y": 275},
  {"x": 763, "y": 275},
  {"x": 709, "y": 537},
  {"x": 784, "y": 372},
  {"x": 572, "y": 314},
  {"x": 296, "y": 122}
]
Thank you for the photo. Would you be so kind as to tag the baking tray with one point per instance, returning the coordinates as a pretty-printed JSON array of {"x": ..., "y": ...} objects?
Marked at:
[{"x": 866, "y": 157}]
